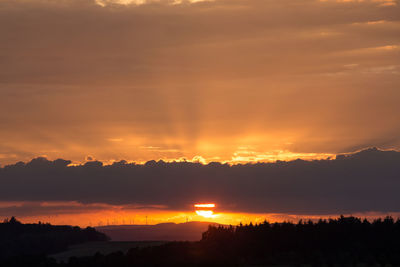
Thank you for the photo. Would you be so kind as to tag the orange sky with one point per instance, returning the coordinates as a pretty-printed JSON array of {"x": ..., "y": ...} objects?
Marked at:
[
  {"x": 116, "y": 216},
  {"x": 237, "y": 80},
  {"x": 119, "y": 215},
  {"x": 231, "y": 81}
]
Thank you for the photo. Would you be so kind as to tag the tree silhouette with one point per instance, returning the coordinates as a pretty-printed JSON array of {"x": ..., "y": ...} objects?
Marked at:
[{"x": 345, "y": 241}]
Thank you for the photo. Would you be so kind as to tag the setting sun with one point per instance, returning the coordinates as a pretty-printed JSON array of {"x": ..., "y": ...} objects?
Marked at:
[
  {"x": 204, "y": 205},
  {"x": 205, "y": 213},
  {"x": 205, "y": 210}
]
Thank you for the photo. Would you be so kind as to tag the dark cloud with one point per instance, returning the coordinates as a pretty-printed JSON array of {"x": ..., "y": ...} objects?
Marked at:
[
  {"x": 56, "y": 208},
  {"x": 40, "y": 209},
  {"x": 359, "y": 182}
]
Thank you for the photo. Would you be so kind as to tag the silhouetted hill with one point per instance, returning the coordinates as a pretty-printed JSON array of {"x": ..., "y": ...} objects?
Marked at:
[
  {"x": 346, "y": 241},
  {"x": 190, "y": 231},
  {"x": 18, "y": 239}
]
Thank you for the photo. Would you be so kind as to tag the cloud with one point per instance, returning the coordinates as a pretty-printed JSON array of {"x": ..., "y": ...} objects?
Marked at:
[
  {"x": 197, "y": 79},
  {"x": 56, "y": 208},
  {"x": 365, "y": 181},
  {"x": 105, "y": 3}
]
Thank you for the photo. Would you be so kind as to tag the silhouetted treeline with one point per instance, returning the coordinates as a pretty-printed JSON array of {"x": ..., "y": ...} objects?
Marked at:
[
  {"x": 17, "y": 239},
  {"x": 346, "y": 241}
]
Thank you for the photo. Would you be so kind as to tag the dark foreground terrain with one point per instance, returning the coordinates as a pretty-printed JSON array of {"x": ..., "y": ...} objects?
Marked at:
[
  {"x": 189, "y": 231},
  {"x": 19, "y": 241},
  {"x": 346, "y": 241},
  {"x": 102, "y": 247}
]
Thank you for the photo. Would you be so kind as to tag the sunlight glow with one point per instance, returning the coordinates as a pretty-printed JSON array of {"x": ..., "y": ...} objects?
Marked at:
[
  {"x": 104, "y": 3},
  {"x": 205, "y": 205},
  {"x": 101, "y": 214},
  {"x": 204, "y": 210},
  {"x": 206, "y": 213}
]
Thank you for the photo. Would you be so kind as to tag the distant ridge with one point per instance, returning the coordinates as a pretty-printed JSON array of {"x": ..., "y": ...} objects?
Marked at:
[
  {"x": 18, "y": 239},
  {"x": 190, "y": 231}
]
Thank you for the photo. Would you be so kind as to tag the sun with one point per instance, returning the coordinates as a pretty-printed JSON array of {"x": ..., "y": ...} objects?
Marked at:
[
  {"x": 205, "y": 210},
  {"x": 205, "y": 213},
  {"x": 211, "y": 205}
]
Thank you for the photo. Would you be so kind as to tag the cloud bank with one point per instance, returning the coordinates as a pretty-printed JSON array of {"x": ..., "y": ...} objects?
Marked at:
[{"x": 361, "y": 182}]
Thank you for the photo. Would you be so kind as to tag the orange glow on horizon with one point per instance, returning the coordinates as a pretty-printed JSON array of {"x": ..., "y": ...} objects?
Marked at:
[
  {"x": 205, "y": 210},
  {"x": 139, "y": 217},
  {"x": 74, "y": 213},
  {"x": 206, "y": 213}
]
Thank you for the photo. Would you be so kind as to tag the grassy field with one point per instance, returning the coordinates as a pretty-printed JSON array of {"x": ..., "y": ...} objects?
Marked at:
[{"x": 89, "y": 249}]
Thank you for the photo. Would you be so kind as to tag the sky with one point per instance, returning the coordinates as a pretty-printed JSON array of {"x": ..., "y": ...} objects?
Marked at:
[
  {"x": 364, "y": 183},
  {"x": 228, "y": 81}
]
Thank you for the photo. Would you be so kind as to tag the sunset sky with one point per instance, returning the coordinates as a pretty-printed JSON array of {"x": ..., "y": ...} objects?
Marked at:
[{"x": 228, "y": 81}]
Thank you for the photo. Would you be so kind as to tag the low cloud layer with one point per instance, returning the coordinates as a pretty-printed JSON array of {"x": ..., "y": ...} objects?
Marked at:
[{"x": 367, "y": 181}]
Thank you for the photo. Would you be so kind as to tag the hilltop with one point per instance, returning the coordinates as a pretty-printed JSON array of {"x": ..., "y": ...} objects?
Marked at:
[{"x": 190, "y": 231}]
